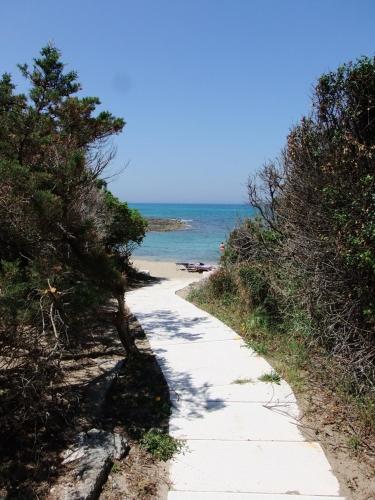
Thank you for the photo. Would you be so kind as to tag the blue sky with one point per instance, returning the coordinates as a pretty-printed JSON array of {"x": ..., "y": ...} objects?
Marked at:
[{"x": 208, "y": 88}]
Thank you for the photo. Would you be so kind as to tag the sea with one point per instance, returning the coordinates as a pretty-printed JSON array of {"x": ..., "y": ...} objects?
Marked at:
[{"x": 207, "y": 226}]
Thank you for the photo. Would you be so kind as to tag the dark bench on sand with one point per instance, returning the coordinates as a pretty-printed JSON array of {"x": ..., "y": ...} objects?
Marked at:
[{"x": 198, "y": 267}]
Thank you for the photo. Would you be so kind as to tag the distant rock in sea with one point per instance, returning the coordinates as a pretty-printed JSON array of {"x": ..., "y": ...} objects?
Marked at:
[{"x": 163, "y": 225}]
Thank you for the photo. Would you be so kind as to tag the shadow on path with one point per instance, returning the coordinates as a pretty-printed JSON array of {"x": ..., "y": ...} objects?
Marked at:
[{"x": 171, "y": 326}]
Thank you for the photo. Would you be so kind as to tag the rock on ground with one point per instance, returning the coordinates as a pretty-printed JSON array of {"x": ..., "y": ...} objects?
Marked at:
[{"x": 91, "y": 457}]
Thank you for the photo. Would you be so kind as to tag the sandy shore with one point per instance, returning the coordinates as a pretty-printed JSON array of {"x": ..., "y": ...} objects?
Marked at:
[{"x": 161, "y": 269}]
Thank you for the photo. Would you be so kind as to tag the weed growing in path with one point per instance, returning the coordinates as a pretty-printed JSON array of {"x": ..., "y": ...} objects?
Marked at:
[
  {"x": 272, "y": 377},
  {"x": 115, "y": 468},
  {"x": 242, "y": 381}
]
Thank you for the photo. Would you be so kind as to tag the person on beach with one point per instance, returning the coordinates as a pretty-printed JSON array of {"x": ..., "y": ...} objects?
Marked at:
[{"x": 222, "y": 247}]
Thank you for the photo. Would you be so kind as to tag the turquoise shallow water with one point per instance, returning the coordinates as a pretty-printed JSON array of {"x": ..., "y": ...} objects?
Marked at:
[{"x": 209, "y": 225}]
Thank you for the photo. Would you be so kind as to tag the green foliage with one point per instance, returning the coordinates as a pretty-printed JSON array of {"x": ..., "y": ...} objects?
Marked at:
[
  {"x": 14, "y": 288},
  {"x": 161, "y": 445},
  {"x": 253, "y": 281},
  {"x": 342, "y": 176},
  {"x": 259, "y": 346},
  {"x": 258, "y": 320},
  {"x": 302, "y": 274},
  {"x": 64, "y": 237},
  {"x": 55, "y": 213},
  {"x": 308, "y": 259},
  {"x": 298, "y": 280},
  {"x": 115, "y": 468},
  {"x": 221, "y": 282},
  {"x": 126, "y": 226}
]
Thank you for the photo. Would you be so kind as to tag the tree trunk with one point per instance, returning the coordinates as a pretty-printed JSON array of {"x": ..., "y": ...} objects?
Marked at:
[{"x": 121, "y": 321}]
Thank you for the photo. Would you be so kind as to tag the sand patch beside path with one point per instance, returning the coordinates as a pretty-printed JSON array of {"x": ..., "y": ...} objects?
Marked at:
[{"x": 167, "y": 270}]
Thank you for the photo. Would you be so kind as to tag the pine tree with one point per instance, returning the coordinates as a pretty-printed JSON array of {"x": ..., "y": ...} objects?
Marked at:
[{"x": 64, "y": 238}]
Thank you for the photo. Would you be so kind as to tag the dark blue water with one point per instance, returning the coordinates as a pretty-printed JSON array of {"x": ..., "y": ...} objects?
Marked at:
[{"x": 209, "y": 225}]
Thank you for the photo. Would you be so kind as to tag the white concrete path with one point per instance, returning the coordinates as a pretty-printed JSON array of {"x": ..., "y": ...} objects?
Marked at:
[{"x": 243, "y": 440}]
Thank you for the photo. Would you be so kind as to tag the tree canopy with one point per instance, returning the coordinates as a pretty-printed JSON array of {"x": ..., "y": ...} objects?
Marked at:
[{"x": 64, "y": 237}]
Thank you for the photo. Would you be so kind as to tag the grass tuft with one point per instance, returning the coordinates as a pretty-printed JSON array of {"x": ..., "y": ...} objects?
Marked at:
[
  {"x": 162, "y": 446},
  {"x": 272, "y": 377},
  {"x": 242, "y": 381},
  {"x": 258, "y": 346},
  {"x": 115, "y": 468},
  {"x": 354, "y": 443}
]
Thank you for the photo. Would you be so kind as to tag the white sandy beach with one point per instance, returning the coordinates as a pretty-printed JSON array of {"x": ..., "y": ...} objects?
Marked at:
[{"x": 161, "y": 269}]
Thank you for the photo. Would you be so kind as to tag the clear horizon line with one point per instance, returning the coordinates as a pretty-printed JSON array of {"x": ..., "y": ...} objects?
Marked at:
[{"x": 185, "y": 203}]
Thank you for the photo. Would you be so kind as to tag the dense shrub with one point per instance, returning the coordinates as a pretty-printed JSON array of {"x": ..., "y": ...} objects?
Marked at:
[
  {"x": 253, "y": 281},
  {"x": 221, "y": 282},
  {"x": 312, "y": 247}
]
